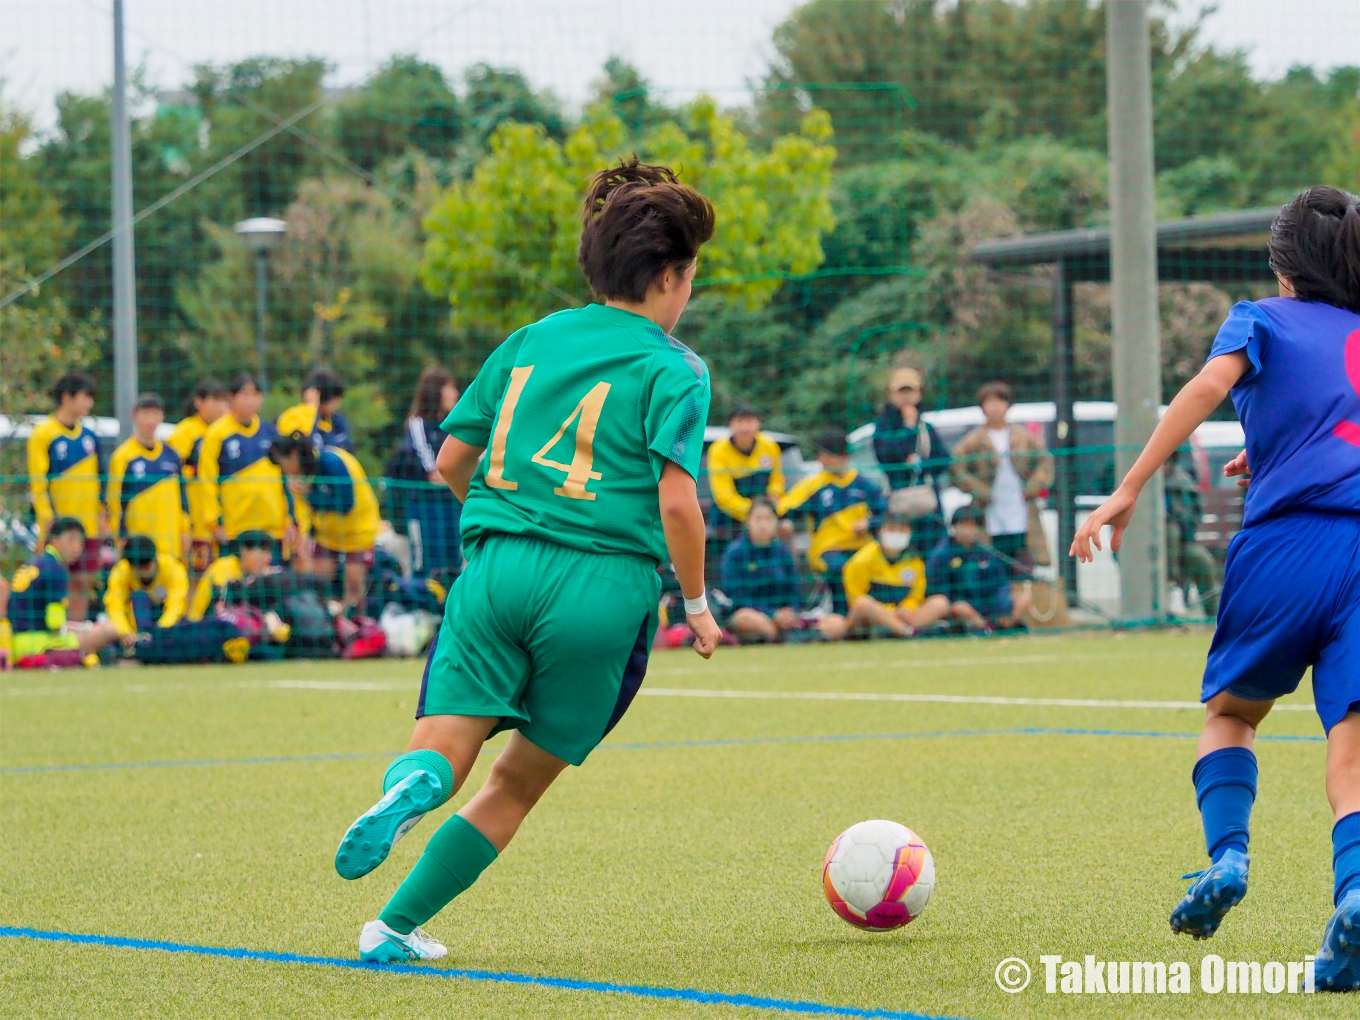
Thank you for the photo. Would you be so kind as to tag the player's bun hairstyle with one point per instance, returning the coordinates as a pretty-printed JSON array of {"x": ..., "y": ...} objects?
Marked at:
[
  {"x": 1315, "y": 243},
  {"x": 64, "y": 524},
  {"x": 72, "y": 383},
  {"x": 637, "y": 221},
  {"x": 139, "y": 551}
]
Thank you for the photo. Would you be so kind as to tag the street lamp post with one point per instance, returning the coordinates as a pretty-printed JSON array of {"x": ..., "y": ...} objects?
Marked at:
[{"x": 262, "y": 233}]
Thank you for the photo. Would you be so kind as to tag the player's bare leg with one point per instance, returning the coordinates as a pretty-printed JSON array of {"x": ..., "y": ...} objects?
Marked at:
[
  {"x": 932, "y": 610},
  {"x": 752, "y": 623},
  {"x": 77, "y": 596},
  {"x": 868, "y": 612},
  {"x": 520, "y": 776},
  {"x": 1337, "y": 967}
]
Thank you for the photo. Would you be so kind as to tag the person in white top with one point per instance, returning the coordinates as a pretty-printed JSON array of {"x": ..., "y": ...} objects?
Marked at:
[{"x": 1005, "y": 468}]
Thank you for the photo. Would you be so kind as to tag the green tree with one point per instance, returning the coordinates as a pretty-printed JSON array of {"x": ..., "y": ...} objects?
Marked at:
[
  {"x": 407, "y": 104},
  {"x": 496, "y": 95},
  {"x": 34, "y": 234},
  {"x": 502, "y": 245}
]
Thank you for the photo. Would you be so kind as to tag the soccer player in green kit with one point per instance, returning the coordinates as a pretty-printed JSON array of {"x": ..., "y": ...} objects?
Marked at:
[{"x": 592, "y": 424}]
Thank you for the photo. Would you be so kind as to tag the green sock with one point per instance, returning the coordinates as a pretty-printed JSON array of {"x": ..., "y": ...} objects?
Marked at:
[
  {"x": 413, "y": 761},
  {"x": 455, "y": 855}
]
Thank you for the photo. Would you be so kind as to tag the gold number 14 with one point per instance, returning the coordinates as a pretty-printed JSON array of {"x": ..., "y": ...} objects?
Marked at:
[{"x": 586, "y": 415}]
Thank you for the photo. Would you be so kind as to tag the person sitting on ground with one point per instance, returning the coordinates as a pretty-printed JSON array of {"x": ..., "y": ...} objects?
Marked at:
[
  {"x": 885, "y": 584},
  {"x": 6, "y": 631},
  {"x": 343, "y": 510},
  {"x": 147, "y": 588},
  {"x": 976, "y": 581},
  {"x": 842, "y": 508},
  {"x": 760, "y": 578},
  {"x": 37, "y": 603},
  {"x": 742, "y": 467},
  {"x": 254, "y": 554}
]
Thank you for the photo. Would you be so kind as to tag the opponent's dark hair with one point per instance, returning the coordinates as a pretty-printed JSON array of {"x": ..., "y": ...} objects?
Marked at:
[
  {"x": 1315, "y": 243},
  {"x": 240, "y": 382},
  {"x": 139, "y": 551},
  {"x": 326, "y": 383},
  {"x": 64, "y": 524},
  {"x": 428, "y": 401},
  {"x": 637, "y": 221},
  {"x": 71, "y": 383}
]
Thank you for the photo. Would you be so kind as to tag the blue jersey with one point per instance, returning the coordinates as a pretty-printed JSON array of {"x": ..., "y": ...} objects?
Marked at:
[
  {"x": 760, "y": 577},
  {"x": 38, "y": 599},
  {"x": 1299, "y": 403}
]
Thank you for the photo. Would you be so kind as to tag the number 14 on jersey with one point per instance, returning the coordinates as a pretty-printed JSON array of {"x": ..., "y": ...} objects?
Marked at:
[{"x": 585, "y": 416}]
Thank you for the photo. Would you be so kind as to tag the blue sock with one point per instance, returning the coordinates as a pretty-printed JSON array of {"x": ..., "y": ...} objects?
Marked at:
[
  {"x": 1346, "y": 854},
  {"x": 1225, "y": 788},
  {"x": 412, "y": 761}
]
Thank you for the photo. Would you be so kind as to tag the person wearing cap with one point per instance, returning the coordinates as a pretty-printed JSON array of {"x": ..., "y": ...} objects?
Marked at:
[
  {"x": 742, "y": 467},
  {"x": 976, "y": 581},
  {"x": 145, "y": 494},
  {"x": 147, "y": 588},
  {"x": 840, "y": 507},
  {"x": 885, "y": 583},
  {"x": 1005, "y": 468},
  {"x": 914, "y": 459}
]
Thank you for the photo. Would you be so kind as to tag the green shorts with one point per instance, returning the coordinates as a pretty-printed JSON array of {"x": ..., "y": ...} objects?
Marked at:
[
  {"x": 551, "y": 640},
  {"x": 39, "y": 642}
]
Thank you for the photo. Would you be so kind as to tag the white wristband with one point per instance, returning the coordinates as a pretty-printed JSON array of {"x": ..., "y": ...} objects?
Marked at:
[{"x": 693, "y": 607}]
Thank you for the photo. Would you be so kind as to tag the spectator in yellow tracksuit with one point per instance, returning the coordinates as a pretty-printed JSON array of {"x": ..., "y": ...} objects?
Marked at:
[
  {"x": 254, "y": 550},
  {"x": 885, "y": 583},
  {"x": 209, "y": 404},
  {"x": 343, "y": 509},
  {"x": 145, "y": 493},
  {"x": 842, "y": 506},
  {"x": 66, "y": 477},
  {"x": 746, "y": 465},
  {"x": 318, "y": 416},
  {"x": 146, "y": 589},
  {"x": 243, "y": 488}
]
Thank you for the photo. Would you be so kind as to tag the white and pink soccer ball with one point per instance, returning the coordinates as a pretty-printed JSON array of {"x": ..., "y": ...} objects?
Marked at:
[{"x": 878, "y": 875}]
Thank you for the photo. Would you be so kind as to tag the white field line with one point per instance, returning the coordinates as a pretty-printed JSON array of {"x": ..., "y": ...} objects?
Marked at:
[
  {"x": 904, "y": 664},
  {"x": 940, "y": 699}
]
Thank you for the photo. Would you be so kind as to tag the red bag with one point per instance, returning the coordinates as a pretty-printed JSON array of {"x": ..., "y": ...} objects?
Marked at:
[{"x": 360, "y": 638}]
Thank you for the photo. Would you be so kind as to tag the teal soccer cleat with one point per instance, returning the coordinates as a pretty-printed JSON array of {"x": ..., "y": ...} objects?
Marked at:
[
  {"x": 380, "y": 944},
  {"x": 370, "y": 839},
  {"x": 1215, "y": 891},
  {"x": 1337, "y": 966}
]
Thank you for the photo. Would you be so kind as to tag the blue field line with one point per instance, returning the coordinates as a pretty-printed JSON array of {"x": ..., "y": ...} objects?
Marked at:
[
  {"x": 505, "y": 977},
  {"x": 645, "y": 745}
]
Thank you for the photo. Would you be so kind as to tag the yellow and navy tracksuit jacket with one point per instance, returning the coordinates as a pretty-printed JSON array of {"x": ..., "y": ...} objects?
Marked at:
[
  {"x": 897, "y": 585},
  {"x": 37, "y": 599},
  {"x": 187, "y": 441},
  {"x": 168, "y": 592},
  {"x": 242, "y": 488},
  {"x": 343, "y": 510},
  {"x": 833, "y": 503},
  {"x": 146, "y": 497},
  {"x": 304, "y": 418},
  {"x": 735, "y": 477},
  {"x": 65, "y": 470},
  {"x": 219, "y": 574}
]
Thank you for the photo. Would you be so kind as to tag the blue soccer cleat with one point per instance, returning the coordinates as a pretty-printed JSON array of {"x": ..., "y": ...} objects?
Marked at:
[
  {"x": 1337, "y": 965},
  {"x": 370, "y": 839},
  {"x": 380, "y": 944},
  {"x": 1215, "y": 891}
]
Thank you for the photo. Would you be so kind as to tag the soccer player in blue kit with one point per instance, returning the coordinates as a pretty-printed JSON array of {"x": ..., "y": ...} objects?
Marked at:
[{"x": 1292, "y": 365}]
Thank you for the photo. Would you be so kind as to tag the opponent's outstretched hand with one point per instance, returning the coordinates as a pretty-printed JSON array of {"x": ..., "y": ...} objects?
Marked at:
[
  {"x": 1116, "y": 512},
  {"x": 1238, "y": 466},
  {"x": 707, "y": 633}
]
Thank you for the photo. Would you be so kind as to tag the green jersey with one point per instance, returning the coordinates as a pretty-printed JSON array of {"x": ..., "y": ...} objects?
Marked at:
[{"x": 579, "y": 413}]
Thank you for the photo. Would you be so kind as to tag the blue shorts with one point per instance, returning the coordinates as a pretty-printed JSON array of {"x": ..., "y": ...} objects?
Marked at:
[{"x": 1291, "y": 599}]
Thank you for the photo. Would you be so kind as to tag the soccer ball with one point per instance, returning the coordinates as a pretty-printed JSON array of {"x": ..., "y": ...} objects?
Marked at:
[{"x": 878, "y": 875}]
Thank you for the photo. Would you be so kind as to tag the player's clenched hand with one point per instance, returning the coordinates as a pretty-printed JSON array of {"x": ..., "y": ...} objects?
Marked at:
[
  {"x": 1115, "y": 512},
  {"x": 706, "y": 632},
  {"x": 1238, "y": 466}
]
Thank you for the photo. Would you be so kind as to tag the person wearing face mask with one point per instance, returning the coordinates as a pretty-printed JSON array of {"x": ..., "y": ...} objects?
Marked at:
[{"x": 885, "y": 584}]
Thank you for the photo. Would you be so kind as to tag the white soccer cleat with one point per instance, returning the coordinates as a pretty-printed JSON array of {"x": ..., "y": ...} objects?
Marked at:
[{"x": 380, "y": 944}]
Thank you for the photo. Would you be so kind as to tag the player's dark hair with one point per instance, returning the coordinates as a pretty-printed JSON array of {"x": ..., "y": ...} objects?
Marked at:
[
  {"x": 64, "y": 524},
  {"x": 637, "y": 221},
  {"x": 149, "y": 399},
  {"x": 759, "y": 502},
  {"x": 995, "y": 388},
  {"x": 139, "y": 551},
  {"x": 326, "y": 383},
  {"x": 428, "y": 401},
  {"x": 1315, "y": 244},
  {"x": 240, "y": 382},
  {"x": 205, "y": 389},
  {"x": 255, "y": 539},
  {"x": 832, "y": 442},
  {"x": 969, "y": 514},
  {"x": 295, "y": 442},
  {"x": 743, "y": 411},
  {"x": 71, "y": 383}
]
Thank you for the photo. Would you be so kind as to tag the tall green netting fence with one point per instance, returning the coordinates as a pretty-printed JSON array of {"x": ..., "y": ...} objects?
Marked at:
[{"x": 912, "y": 200}]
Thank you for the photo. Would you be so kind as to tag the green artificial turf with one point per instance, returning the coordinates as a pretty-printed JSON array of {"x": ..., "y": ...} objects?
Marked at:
[{"x": 685, "y": 854}]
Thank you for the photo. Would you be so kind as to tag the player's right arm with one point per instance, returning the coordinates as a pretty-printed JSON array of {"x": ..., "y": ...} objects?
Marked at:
[
  {"x": 1194, "y": 403},
  {"x": 683, "y": 524}
]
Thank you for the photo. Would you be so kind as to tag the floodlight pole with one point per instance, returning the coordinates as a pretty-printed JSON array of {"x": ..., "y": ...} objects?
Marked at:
[
  {"x": 124, "y": 265},
  {"x": 261, "y": 314},
  {"x": 1133, "y": 296}
]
